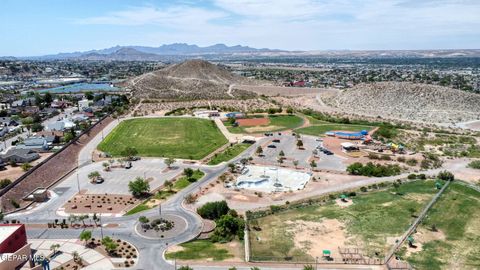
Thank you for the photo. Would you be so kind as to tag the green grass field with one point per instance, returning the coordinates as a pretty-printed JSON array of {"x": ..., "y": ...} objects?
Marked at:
[
  {"x": 200, "y": 250},
  {"x": 371, "y": 218},
  {"x": 277, "y": 123},
  {"x": 188, "y": 138},
  {"x": 320, "y": 129},
  {"x": 456, "y": 215},
  {"x": 229, "y": 153}
]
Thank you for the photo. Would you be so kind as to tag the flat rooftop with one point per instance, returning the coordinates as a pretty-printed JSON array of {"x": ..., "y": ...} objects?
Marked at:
[{"x": 7, "y": 229}]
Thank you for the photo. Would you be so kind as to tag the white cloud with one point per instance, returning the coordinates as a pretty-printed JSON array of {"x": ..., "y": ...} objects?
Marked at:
[
  {"x": 175, "y": 16},
  {"x": 310, "y": 24}
]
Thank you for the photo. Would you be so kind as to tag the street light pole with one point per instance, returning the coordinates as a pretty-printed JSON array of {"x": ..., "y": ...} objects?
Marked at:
[
  {"x": 78, "y": 183},
  {"x": 101, "y": 226}
]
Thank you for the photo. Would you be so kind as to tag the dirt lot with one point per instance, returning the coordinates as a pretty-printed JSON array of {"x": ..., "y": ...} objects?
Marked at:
[
  {"x": 282, "y": 91},
  {"x": 249, "y": 122},
  {"x": 13, "y": 173},
  {"x": 88, "y": 203}
]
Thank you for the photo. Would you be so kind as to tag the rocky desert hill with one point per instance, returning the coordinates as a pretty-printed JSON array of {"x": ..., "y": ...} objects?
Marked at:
[
  {"x": 408, "y": 101},
  {"x": 189, "y": 80}
]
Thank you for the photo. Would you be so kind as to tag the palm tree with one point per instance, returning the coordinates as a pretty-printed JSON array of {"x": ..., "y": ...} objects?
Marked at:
[
  {"x": 72, "y": 218},
  {"x": 54, "y": 248},
  {"x": 93, "y": 175}
]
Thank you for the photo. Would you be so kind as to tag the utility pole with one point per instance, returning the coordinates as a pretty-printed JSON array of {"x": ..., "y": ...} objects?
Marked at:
[
  {"x": 160, "y": 209},
  {"x": 78, "y": 183},
  {"x": 101, "y": 226}
]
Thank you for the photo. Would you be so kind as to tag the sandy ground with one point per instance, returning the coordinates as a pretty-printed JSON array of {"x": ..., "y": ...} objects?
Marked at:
[
  {"x": 248, "y": 122},
  {"x": 424, "y": 236},
  {"x": 13, "y": 173},
  {"x": 243, "y": 200},
  {"x": 314, "y": 237}
]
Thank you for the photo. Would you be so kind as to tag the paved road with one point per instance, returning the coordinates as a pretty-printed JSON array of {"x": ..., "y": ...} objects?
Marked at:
[{"x": 151, "y": 251}]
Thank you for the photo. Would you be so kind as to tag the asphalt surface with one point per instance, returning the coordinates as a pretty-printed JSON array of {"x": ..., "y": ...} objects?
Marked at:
[{"x": 151, "y": 250}]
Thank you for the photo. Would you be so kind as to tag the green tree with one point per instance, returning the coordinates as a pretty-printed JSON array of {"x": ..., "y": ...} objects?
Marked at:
[
  {"x": 313, "y": 164},
  {"x": 308, "y": 267},
  {"x": 446, "y": 176},
  {"x": 259, "y": 150},
  {"x": 227, "y": 228},
  {"x": 93, "y": 176},
  {"x": 185, "y": 267},
  {"x": 188, "y": 172},
  {"x": 213, "y": 210},
  {"x": 26, "y": 166},
  {"x": 129, "y": 152},
  {"x": 109, "y": 244},
  {"x": 169, "y": 185},
  {"x": 169, "y": 161},
  {"x": 68, "y": 137},
  {"x": 139, "y": 187},
  {"x": 299, "y": 143},
  {"x": 85, "y": 236}
]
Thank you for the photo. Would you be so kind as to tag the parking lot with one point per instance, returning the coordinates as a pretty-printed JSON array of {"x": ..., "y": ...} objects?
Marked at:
[
  {"x": 287, "y": 143},
  {"x": 116, "y": 180}
]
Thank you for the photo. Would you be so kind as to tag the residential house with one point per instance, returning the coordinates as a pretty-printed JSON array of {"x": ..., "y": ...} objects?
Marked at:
[
  {"x": 38, "y": 144},
  {"x": 19, "y": 155},
  {"x": 60, "y": 125},
  {"x": 82, "y": 104}
]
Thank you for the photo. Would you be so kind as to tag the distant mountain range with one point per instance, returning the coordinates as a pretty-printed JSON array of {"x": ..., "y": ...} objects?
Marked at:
[
  {"x": 183, "y": 51},
  {"x": 144, "y": 53}
]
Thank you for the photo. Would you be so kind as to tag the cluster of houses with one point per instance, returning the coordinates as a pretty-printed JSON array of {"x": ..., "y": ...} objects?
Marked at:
[{"x": 29, "y": 148}]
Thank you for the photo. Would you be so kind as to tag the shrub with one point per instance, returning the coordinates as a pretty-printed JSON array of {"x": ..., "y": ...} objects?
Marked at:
[
  {"x": 376, "y": 170},
  {"x": 412, "y": 176},
  {"x": 213, "y": 210},
  {"x": 412, "y": 162},
  {"x": 401, "y": 159},
  {"x": 446, "y": 176},
  {"x": 474, "y": 164},
  {"x": 5, "y": 182}
]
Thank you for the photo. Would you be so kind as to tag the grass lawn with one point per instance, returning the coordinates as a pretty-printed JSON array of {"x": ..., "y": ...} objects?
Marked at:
[
  {"x": 319, "y": 130},
  {"x": 371, "y": 218},
  {"x": 139, "y": 208},
  {"x": 277, "y": 123},
  {"x": 188, "y": 138},
  {"x": 456, "y": 215},
  {"x": 200, "y": 250},
  {"x": 183, "y": 181},
  {"x": 229, "y": 153}
]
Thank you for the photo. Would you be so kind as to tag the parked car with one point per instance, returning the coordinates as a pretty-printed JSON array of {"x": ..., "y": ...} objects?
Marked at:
[
  {"x": 272, "y": 146},
  {"x": 99, "y": 180},
  {"x": 135, "y": 158},
  {"x": 128, "y": 165},
  {"x": 328, "y": 152},
  {"x": 276, "y": 141}
]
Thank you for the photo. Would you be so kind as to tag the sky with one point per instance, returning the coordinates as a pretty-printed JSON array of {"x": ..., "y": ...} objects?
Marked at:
[{"x": 39, "y": 27}]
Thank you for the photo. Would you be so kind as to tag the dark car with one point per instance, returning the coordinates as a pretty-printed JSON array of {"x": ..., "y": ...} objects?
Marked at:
[
  {"x": 135, "y": 158},
  {"x": 328, "y": 152},
  {"x": 272, "y": 146},
  {"x": 276, "y": 141},
  {"x": 99, "y": 180},
  {"x": 128, "y": 165}
]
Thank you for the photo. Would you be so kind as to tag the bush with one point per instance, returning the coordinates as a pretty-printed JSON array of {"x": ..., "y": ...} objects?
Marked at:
[
  {"x": 412, "y": 176},
  {"x": 5, "y": 182},
  {"x": 213, "y": 210},
  {"x": 412, "y": 162},
  {"x": 227, "y": 228},
  {"x": 446, "y": 176},
  {"x": 422, "y": 176},
  {"x": 474, "y": 164},
  {"x": 401, "y": 159},
  {"x": 376, "y": 170}
]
